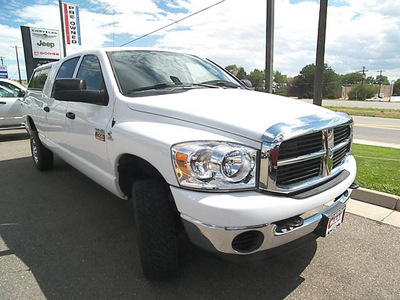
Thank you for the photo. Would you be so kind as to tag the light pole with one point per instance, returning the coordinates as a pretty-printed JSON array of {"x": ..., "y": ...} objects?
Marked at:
[
  {"x": 19, "y": 71},
  {"x": 269, "y": 49}
]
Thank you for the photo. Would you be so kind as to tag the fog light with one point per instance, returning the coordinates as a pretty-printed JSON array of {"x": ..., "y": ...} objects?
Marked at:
[{"x": 248, "y": 241}]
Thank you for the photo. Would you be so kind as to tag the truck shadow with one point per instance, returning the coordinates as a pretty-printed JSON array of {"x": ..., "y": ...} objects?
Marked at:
[
  {"x": 79, "y": 241},
  {"x": 13, "y": 135}
]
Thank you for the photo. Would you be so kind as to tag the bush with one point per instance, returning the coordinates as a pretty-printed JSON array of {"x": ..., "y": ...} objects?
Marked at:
[{"x": 362, "y": 91}]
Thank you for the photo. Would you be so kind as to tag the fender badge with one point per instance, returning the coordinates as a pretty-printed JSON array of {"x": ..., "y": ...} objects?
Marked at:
[{"x": 100, "y": 134}]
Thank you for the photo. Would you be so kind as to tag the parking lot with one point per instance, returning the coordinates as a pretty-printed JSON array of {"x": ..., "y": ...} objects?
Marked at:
[{"x": 62, "y": 236}]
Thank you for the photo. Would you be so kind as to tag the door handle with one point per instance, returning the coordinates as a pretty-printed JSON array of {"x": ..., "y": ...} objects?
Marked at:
[
  {"x": 70, "y": 115},
  {"x": 2, "y": 102},
  {"x": 46, "y": 109}
]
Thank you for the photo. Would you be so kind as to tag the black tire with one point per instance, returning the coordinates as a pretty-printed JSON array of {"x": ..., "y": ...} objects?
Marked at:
[
  {"x": 154, "y": 219},
  {"x": 42, "y": 157}
]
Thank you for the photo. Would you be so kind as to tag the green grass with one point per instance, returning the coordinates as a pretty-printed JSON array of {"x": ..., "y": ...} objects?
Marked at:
[
  {"x": 368, "y": 112},
  {"x": 378, "y": 168}
]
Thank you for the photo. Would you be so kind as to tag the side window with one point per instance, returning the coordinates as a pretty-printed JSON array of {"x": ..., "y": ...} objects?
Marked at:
[
  {"x": 67, "y": 68},
  {"x": 38, "y": 79},
  {"x": 90, "y": 71},
  {"x": 8, "y": 90}
]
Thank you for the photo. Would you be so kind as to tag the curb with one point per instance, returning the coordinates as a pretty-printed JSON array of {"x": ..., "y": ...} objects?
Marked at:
[{"x": 377, "y": 198}]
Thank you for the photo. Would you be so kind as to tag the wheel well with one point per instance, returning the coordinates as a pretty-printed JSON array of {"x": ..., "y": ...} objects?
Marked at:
[
  {"x": 31, "y": 124},
  {"x": 132, "y": 168}
]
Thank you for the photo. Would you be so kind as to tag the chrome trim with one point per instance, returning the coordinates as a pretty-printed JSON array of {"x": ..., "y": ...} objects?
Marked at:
[
  {"x": 221, "y": 237},
  {"x": 278, "y": 133},
  {"x": 302, "y": 158}
]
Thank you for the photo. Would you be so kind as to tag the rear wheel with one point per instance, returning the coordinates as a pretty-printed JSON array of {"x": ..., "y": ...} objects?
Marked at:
[
  {"x": 154, "y": 219},
  {"x": 42, "y": 157}
]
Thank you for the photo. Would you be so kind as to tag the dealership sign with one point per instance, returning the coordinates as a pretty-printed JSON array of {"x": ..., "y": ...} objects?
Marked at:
[
  {"x": 3, "y": 72},
  {"x": 45, "y": 43},
  {"x": 71, "y": 24}
]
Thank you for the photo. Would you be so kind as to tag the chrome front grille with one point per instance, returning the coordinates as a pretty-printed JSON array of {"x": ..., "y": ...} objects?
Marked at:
[{"x": 299, "y": 155}]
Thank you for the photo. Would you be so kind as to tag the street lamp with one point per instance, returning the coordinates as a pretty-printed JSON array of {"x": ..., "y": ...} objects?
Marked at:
[{"x": 16, "y": 53}]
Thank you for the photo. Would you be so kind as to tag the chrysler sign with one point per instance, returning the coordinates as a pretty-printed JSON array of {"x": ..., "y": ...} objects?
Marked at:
[{"x": 45, "y": 43}]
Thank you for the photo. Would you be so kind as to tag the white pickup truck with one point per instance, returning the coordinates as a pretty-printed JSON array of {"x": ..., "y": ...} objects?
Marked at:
[{"x": 194, "y": 149}]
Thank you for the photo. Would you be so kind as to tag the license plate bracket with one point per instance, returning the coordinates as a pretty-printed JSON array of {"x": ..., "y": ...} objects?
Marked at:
[{"x": 331, "y": 220}]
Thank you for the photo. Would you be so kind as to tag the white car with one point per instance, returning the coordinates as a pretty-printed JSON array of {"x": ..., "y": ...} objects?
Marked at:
[
  {"x": 376, "y": 98},
  {"x": 11, "y": 95}
]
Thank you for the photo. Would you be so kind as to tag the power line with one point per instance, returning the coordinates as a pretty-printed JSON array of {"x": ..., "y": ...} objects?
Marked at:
[{"x": 175, "y": 22}]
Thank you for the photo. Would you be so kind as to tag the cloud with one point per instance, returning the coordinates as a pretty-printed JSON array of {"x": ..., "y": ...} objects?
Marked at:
[{"x": 359, "y": 32}]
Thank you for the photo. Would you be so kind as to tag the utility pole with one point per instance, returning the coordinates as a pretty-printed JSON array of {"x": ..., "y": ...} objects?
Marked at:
[
  {"x": 269, "y": 54},
  {"x": 363, "y": 75},
  {"x": 380, "y": 76},
  {"x": 2, "y": 62},
  {"x": 62, "y": 28},
  {"x": 19, "y": 71},
  {"x": 319, "y": 65},
  {"x": 363, "y": 71},
  {"x": 380, "y": 81}
]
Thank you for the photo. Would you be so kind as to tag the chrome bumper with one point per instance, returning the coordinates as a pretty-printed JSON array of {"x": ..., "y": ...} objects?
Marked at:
[{"x": 259, "y": 238}]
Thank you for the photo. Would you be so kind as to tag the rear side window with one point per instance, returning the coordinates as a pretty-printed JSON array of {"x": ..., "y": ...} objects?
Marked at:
[
  {"x": 67, "y": 68},
  {"x": 38, "y": 79}
]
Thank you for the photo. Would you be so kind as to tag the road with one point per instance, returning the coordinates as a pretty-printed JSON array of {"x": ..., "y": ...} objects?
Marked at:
[
  {"x": 62, "y": 236},
  {"x": 365, "y": 104},
  {"x": 368, "y": 130},
  {"x": 377, "y": 130}
]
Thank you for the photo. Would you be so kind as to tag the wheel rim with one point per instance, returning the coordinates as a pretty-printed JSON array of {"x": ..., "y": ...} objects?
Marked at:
[{"x": 35, "y": 152}]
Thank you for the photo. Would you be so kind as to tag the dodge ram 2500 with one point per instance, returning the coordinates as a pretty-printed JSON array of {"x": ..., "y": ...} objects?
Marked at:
[{"x": 194, "y": 149}]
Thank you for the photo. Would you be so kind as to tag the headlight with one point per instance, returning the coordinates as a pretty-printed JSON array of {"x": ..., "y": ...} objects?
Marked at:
[{"x": 215, "y": 165}]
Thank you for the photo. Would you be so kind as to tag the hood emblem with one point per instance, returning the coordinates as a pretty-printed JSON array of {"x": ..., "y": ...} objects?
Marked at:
[{"x": 329, "y": 143}]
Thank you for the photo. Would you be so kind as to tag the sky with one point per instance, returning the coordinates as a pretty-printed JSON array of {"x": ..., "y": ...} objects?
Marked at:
[{"x": 360, "y": 33}]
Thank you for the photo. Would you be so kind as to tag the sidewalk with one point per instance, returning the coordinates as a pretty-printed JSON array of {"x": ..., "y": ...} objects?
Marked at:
[{"x": 376, "y": 206}]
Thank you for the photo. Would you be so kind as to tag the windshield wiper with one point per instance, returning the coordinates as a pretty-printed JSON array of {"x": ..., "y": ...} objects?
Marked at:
[
  {"x": 162, "y": 86},
  {"x": 221, "y": 83},
  {"x": 204, "y": 85},
  {"x": 159, "y": 86}
]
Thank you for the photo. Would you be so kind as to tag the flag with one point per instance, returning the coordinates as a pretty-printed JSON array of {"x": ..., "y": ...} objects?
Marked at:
[{"x": 71, "y": 24}]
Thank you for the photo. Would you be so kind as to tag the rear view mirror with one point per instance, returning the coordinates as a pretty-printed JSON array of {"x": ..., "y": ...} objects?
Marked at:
[{"x": 74, "y": 90}]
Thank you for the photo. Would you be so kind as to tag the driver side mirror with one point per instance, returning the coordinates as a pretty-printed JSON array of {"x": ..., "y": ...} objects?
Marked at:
[
  {"x": 247, "y": 83},
  {"x": 74, "y": 90}
]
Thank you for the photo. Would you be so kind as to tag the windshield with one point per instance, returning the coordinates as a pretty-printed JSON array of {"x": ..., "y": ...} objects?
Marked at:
[{"x": 139, "y": 71}]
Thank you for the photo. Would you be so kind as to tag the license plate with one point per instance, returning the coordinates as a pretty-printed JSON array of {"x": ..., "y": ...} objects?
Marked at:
[{"x": 331, "y": 219}]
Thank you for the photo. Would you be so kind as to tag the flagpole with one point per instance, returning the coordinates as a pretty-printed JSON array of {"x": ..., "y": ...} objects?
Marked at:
[{"x": 62, "y": 28}]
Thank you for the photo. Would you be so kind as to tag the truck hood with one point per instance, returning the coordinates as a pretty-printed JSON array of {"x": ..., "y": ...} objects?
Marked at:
[{"x": 241, "y": 112}]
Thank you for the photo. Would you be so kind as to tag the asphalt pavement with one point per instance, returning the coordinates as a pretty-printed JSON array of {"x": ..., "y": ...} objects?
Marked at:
[{"x": 62, "y": 236}]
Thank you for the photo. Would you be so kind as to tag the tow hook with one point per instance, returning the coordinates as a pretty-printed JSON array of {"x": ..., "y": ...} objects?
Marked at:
[
  {"x": 354, "y": 186},
  {"x": 289, "y": 224}
]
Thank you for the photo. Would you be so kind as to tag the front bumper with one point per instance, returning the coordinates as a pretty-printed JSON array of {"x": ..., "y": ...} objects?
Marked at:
[
  {"x": 217, "y": 221},
  {"x": 252, "y": 239}
]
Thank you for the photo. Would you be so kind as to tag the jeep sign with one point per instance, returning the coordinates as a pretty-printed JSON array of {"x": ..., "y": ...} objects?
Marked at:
[{"x": 45, "y": 43}]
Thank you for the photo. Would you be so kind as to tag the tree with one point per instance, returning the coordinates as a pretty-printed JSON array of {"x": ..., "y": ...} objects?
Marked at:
[
  {"x": 396, "y": 88},
  {"x": 257, "y": 79},
  {"x": 362, "y": 91},
  {"x": 239, "y": 72},
  {"x": 280, "y": 79},
  {"x": 369, "y": 80},
  {"x": 380, "y": 79},
  {"x": 351, "y": 78},
  {"x": 303, "y": 85},
  {"x": 296, "y": 87}
]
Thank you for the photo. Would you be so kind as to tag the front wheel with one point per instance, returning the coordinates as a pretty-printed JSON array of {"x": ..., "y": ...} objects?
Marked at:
[
  {"x": 42, "y": 157},
  {"x": 154, "y": 219}
]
